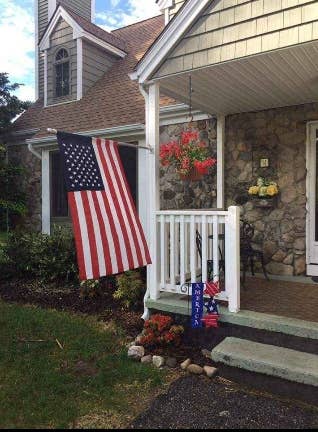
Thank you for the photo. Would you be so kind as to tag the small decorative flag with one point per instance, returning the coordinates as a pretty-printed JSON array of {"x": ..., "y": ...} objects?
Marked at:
[
  {"x": 212, "y": 288},
  {"x": 197, "y": 304},
  {"x": 108, "y": 234}
]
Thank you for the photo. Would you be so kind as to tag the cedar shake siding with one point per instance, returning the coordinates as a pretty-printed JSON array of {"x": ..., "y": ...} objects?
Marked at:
[
  {"x": 95, "y": 63},
  {"x": 232, "y": 29}
]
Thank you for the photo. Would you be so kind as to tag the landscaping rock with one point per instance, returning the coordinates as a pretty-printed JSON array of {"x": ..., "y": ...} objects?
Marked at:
[
  {"x": 158, "y": 361},
  {"x": 171, "y": 362},
  {"x": 195, "y": 369},
  {"x": 206, "y": 353},
  {"x": 146, "y": 359},
  {"x": 184, "y": 365},
  {"x": 210, "y": 371},
  {"x": 136, "y": 352}
]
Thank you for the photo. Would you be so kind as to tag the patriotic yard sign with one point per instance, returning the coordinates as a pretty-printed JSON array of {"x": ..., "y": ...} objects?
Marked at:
[
  {"x": 212, "y": 317},
  {"x": 108, "y": 234}
]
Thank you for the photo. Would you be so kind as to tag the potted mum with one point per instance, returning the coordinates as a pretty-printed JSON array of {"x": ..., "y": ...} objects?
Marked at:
[
  {"x": 189, "y": 157},
  {"x": 264, "y": 190}
]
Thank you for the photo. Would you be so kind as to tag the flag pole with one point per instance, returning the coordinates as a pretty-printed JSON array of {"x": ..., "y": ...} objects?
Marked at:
[{"x": 122, "y": 144}]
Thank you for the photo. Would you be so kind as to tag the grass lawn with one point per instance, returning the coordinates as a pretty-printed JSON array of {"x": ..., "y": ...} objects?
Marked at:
[{"x": 89, "y": 383}]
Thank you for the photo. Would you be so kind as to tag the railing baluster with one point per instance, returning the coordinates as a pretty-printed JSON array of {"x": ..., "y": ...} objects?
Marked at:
[
  {"x": 216, "y": 265},
  {"x": 193, "y": 250},
  {"x": 204, "y": 249},
  {"x": 182, "y": 250},
  {"x": 163, "y": 252},
  {"x": 172, "y": 252}
]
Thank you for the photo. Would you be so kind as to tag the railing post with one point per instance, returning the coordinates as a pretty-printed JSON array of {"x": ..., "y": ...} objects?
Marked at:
[
  {"x": 153, "y": 199},
  {"x": 232, "y": 258}
]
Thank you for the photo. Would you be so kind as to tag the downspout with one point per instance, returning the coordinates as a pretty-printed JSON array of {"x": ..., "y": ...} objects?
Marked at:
[
  {"x": 144, "y": 93},
  {"x": 34, "y": 152}
]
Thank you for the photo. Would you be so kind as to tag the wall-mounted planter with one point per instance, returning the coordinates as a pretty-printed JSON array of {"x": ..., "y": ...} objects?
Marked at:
[{"x": 265, "y": 203}]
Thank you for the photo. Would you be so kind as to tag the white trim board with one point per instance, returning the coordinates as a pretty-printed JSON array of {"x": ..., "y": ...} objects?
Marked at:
[{"x": 78, "y": 32}]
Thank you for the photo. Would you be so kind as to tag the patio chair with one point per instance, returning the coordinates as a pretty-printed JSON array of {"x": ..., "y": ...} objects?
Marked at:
[
  {"x": 248, "y": 251},
  {"x": 210, "y": 270}
]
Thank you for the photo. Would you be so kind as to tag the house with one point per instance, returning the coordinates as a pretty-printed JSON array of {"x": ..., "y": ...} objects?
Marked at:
[{"x": 247, "y": 69}]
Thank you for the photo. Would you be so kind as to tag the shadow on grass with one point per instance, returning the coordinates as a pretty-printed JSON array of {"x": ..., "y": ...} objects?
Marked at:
[{"x": 43, "y": 385}]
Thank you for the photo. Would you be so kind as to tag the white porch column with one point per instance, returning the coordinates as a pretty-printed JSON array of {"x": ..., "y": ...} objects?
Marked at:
[
  {"x": 220, "y": 161},
  {"x": 153, "y": 198},
  {"x": 46, "y": 203},
  {"x": 232, "y": 258}
]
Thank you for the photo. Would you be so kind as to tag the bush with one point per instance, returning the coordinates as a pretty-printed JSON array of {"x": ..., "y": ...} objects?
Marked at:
[
  {"x": 130, "y": 289},
  {"x": 49, "y": 258},
  {"x": 159, "y": 331}
]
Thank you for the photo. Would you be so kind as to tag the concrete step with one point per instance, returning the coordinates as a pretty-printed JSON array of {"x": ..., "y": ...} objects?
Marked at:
[{"x": 268, "y": 359}]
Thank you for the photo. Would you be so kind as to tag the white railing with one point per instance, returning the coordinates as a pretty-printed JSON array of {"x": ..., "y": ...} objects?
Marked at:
[{"x": 197, "y": 245}]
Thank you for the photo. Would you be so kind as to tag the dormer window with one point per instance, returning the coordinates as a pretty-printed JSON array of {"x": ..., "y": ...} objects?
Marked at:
[{"x": 62, "y": 73}]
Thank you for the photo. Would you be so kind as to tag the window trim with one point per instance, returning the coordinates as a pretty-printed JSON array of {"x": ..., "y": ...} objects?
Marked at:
[{"x": 55, "y": 64}]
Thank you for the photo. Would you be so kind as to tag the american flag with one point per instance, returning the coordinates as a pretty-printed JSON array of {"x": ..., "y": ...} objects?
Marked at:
[
  {"x": 108, "y": 234},
  {"x": 212, "y": 288}
]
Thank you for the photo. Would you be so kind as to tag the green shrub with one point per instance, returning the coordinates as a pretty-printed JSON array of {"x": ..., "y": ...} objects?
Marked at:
[
  {"x": 49, "y": 258},
  {"x": 130, "y": 289}
]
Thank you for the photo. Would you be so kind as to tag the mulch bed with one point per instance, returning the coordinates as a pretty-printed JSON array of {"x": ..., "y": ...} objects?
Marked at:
[{"x": 198, "y": 403}]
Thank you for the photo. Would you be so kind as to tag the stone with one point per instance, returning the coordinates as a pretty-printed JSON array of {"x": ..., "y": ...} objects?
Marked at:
[
  {"x": 289, "y": 259},
  {"x": 279, "y": 256},
  {"x": 171, "y": 362},
  {"x": 288, "y": 195},
  {"x": 280, "y": 269},
  {"x": 300, "y": 265},
  {"x": 146, "y": 359},
  {"x": 224, "y": 414},
  {"x": 206, "y": 353},
  {"x": 195, "y": 369},
  {"x": 270, "y": 248},
  {"x": 184, "y": 365},
  {"x": 158, "y": 361},
  {"x": 210, "y": 371},
  {"x": 300, "y": 244},
  {"x": 136, "y": 352}
]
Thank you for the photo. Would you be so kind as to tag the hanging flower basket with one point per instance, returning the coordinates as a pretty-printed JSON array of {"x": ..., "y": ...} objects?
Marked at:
[
  {"x": 193, "y": 175},
  {"x": 264, "y": 190},
  {"x": 190, "y": 157}
]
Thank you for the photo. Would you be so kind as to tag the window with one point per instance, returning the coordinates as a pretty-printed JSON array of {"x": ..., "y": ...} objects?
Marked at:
[
  {"x": 59, "y": 205},
  {"x": 62, "y": 73}
]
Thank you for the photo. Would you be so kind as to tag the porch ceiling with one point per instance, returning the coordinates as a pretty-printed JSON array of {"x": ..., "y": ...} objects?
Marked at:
[{"x": 279, "y": 78}]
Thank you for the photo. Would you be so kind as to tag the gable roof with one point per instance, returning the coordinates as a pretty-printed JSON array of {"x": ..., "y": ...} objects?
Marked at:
[
  {"x": 168, "y": 39},
  {"x": 112, "y": 101},
  {"x": 81, "y": 28}
]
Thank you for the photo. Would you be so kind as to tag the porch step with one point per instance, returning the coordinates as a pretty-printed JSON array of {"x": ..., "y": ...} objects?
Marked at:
[
  {"x": 268, "y": 359},
  {"x": 175, "y": 303}
]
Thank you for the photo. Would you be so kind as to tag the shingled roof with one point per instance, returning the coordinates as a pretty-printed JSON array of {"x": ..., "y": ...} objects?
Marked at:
[{"x": 114, "y": 100}]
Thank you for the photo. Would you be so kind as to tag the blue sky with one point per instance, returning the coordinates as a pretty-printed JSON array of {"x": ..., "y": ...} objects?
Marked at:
[{"x": 17, "y": 33}]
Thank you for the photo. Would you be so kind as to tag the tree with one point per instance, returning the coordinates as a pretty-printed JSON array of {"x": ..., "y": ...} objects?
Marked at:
[{"x": 12, "y": 197}]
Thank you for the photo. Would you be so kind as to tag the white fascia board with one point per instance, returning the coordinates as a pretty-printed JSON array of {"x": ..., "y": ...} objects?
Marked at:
[
  {"x": 36, "y": 57},
  {"x": 164, "y": 4},
  {"x": 79, "y": 90},
  {"x": 51, "y": 8},
  {"x": 108, "y": 47},
  {"x": 93, "y": 11},
  {"x": 60, "y": 13},
  {"x": 168, "y": 39},
  {"x": 78, "y": 32}
]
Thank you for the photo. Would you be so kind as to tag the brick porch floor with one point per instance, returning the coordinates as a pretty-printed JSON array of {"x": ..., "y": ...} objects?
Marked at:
[{"x": 290, "y": 299}]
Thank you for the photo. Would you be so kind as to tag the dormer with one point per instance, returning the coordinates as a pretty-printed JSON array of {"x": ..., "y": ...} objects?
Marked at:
[
  {"x": 169, "y": 8},
  {"x": 76, "y": 53}
]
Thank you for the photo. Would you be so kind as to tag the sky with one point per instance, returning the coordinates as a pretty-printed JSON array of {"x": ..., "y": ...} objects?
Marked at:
[{"x": 17, "y": 33}]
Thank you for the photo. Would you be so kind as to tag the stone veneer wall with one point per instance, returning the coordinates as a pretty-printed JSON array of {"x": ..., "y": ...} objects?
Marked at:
[
  {"x": 176, "y": 194},
  {"x": 280, "y": 135},
  {"x": 32, "y": 184}
]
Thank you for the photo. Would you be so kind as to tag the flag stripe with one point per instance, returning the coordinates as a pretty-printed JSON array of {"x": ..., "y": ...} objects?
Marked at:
[
  {"x": 146, "y": 255},
  {"x": 98, "y": 236},
  {"x": 136, "y": 254},
  {"x": 91, "y": 235},
  {"x": 84, "y": 234},
  {"x": 107, "y": 242},
  {"x": 77, "y": 235},
  {"x": 120, "y": 248},
  {"x": 118, "y": 204}
]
